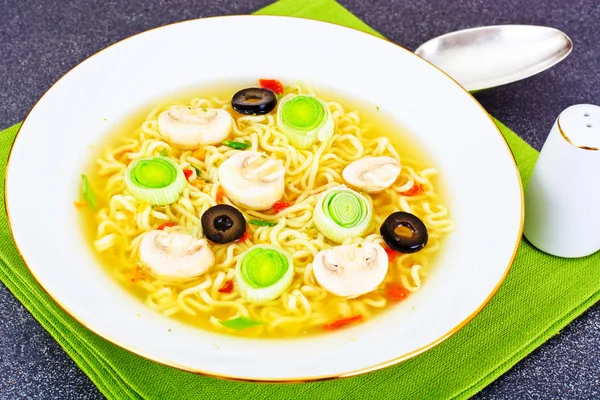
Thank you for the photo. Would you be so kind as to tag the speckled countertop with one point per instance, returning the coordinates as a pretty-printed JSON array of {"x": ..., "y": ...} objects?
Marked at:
[{"x": 41, "y": 40}]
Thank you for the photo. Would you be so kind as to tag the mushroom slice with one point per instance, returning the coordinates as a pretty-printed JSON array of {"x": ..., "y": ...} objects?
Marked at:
[
  {"x": 372, "y": 174},
  {"x": 251, "y": 180},
  {"x": 351, "y": 270},
  {"x": 191, "y": 128},
  {"x": 175, "y": 256}
]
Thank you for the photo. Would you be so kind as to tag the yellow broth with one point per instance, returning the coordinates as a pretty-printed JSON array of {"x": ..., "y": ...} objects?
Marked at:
[{"x": 285, "y": 320}]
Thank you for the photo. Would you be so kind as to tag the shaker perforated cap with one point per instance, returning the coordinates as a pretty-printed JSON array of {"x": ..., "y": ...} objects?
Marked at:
[{"x": 580, "y": 126}]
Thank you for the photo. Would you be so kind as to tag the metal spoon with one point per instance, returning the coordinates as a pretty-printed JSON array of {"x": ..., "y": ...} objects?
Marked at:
[{"x": 490, "y": 56}]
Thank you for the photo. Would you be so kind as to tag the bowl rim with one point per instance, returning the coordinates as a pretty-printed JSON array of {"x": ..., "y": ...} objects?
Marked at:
[{"x": 396, "y": 360}]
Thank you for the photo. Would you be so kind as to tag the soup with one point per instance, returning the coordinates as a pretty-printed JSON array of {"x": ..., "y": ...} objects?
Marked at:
[{"x": 269, "y": 211}]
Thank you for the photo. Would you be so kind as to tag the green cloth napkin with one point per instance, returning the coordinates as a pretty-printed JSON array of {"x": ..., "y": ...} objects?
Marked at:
[{"x": 541, "y": 295}]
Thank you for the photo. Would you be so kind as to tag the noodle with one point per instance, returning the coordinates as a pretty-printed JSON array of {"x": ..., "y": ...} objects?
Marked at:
[{"x": 305, "y": 306}]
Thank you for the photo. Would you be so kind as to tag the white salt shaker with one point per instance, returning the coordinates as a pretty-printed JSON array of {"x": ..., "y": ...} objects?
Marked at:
[{"x": 562, "y": 201}]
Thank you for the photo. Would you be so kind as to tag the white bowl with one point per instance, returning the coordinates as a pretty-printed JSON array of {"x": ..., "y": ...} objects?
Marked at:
[{"x": 485, "y": 190}]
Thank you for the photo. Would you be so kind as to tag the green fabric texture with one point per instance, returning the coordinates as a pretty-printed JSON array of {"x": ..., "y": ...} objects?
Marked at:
[{"x": 540, "y": 296}]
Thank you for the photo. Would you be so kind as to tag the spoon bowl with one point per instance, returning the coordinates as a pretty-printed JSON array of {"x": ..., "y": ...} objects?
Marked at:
[{"x": 490, "y": 56}]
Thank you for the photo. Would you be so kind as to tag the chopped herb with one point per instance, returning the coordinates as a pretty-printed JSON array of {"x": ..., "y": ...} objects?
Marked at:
[
  {"x": 260, "y": 222},
  {"x": 240, "y": 323},
  {"x": 164, "y": 153},
  {"x": 198, "y": 173},
  {"x": 236, "y": 145},
  {"x": 205, "y": 109},
  {"x": 105, "y": 119},
  {"x": 88, "y": 193},
  {"x": 169, "y": 330},
  {"x": 377, "y": 107},
  {"x": 263, "y": 156}
]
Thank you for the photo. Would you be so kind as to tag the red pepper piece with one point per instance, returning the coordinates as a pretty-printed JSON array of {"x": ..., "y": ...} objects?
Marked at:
[
  {"x": 244, "y": 237},
  {"x": 340, "y": 323},
  {"x": 227, "y": 287},
  {"x": 271, "y": 84},
  {"x": 166, "y": 224},
  {"x": 396, "y": 292},
  {"x": 220, "y": 194},
  {"x": 134, "y": 275},
  {"x": 281, "y": 205},
  {"x": 392, "y": 254},
  {"x": 417, "y": 188}
]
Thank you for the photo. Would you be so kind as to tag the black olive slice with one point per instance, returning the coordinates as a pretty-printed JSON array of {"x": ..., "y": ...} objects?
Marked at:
[
  {"x": 253, "y": 101},
  {"x": 404, "y": 232},
  {"x": 223, "y": 223}
]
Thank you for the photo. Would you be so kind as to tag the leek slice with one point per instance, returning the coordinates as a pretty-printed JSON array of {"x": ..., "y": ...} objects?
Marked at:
[
  {"x": 342, "y": 213},
  {"x": 156, "y": 180},
  {"x": 304, "y": 119},
  {"x": 263, "y": 273}
]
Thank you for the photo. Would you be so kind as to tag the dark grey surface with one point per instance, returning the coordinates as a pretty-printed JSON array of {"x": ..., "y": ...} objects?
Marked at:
[{"x": 40, "y": 41}]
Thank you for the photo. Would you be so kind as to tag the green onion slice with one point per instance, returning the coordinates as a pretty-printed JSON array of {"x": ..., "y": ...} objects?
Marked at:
[
  {"x": 304, "y": 119},
  {"x": 164, "y": 153},
  {"x": 241, "y": 323},
  {"x": 156, "y": 180},
  {"x": 342, "y": 213},
  {"x": 263, "y": 273},
  {"x": 236, "y": 145},
  {"x": 261, "y": 222},
  {"x": 88, "y": 193}
]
